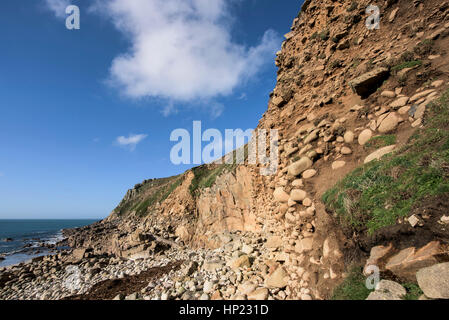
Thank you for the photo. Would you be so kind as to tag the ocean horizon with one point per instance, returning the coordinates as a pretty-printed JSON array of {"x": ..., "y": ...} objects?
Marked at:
[{"x": 24, "y": 239}]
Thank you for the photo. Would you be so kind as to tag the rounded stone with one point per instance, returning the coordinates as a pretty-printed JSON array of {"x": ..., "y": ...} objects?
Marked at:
[
  {"x": 338, "y": 164},
  {"x": 346, "y": 151},
  {"x": 310, "y": 173},
  {"x": 300, "y": 166},
  {"x": 389, "y": 124},
  {"x": 298, "y": 195},
  {"x": 349, "y": 137},
  {"x": 307, "y": 202},
  {"x": 365, "y": 136},
  {"x": 280, "y": 195}
]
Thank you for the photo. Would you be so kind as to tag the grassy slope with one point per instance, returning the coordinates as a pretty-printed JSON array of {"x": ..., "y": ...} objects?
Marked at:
[
  {"x": 155, "y": 191},
  {"x": 376, "y": 195}
]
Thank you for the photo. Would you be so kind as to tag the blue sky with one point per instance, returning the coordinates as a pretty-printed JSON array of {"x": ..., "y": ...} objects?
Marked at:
[{"x": 86, "y": 114}]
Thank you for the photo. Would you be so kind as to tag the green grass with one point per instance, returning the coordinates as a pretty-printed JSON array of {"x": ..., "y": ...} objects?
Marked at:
[
  {"x": 407, "y": 64},
  {"x": 353, "y": 287},
  {"x": 353, "y": 6},
  {"x": 413, "y": 291},
  {"x": 424, "y": 48},
  {"x": 377, "y": 194},
  {"x": 335, "y": 64},
  {"x": 159, "y": 196},
  {"x": 355, "y": 63},
  {"x": 205, "y": 176},
  {"x": 323, "y": 35},
  {"x": 380, "y": 142}
]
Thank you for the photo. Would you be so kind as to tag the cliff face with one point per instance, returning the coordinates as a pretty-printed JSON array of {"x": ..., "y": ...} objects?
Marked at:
[{"x": 339, "y": 85}]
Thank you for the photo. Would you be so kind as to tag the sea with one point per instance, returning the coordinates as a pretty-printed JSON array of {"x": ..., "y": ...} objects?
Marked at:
[{"x": 23, "y": 240}]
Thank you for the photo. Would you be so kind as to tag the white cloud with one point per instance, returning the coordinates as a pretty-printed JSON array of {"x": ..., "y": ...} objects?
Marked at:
[
  {"x": 131, "y": 141},
  {"x": 58, "y": 7},
  {"x": 242, "y": 96},
  {"x": 216, "y": 110},
  {"x": 181, "y": 50}
]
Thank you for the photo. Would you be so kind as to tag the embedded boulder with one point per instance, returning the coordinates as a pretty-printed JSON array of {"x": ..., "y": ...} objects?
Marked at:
[
  {"x": 280, "y": 195},
  {"x": 300, "y": 166},
  {"x": 368, "y": 83},
  {"x": 376, "y": 155},
  {"x": 298, "y": 195},
  {"x": 278, "y": 279},
  {"x": 434, "y": 281},
  {"x": 390, "y": 123},
  {"x": 407, "y": 262}
]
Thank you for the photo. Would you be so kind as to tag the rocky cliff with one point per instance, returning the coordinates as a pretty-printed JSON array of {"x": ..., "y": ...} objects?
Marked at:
[{"x": 351, "y": 105}]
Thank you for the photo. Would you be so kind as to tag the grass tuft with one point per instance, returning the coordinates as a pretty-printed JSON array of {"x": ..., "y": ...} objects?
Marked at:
[
  {"x": 380, "y": 142},
  {"x": 206, "y": 175},
  {"x": 353, "y": 287},
  {"x": 407, "y": 64},
  {"x": 413, "y": 291}
]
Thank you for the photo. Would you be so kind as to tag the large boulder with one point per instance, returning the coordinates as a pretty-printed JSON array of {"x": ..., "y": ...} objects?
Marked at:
[
  {"x": 78, "y": 254},
  {"x": 279, "y": 102},
  {"x": 400, "y": 102},
  {"x": 349, "y": 137},
  {"x": 278, "y": 279},
  {"x": 390, "y": 123},
  {"x": 300, "y": 166},
  {"x": 365, "y": 136},
  {"x": 304, "y": 245},
  {"x": 182, "y": 233},
  {"x": 274, "y": 242},
  {"x": 298, "y": 195},
  {"x": 407, "y": 262},
  {"x": 240, "y": 262},
  {"x": 259, "y": 294},
  {"x": 376, "y": 155},
  {"x": 368, "y": 83},
  {"x": 388, "y": 290},
  {"x": 434, "y": 281},
  {"x": 280, "y": 195},
  {"x": 378, "y": 255}
]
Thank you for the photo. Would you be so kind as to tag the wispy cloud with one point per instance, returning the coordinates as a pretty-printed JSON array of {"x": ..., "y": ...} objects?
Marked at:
[
  {"x": 131, "y": 141},
  {"x": 243, "y": 96},
  {"x": 216, "y": 110},
  {"x": 58, "y": 7},
  {"x": 182, "y": 50}
]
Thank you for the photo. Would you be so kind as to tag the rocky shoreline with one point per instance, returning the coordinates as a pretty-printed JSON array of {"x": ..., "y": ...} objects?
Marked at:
[{"x": 236, "y": 271}]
